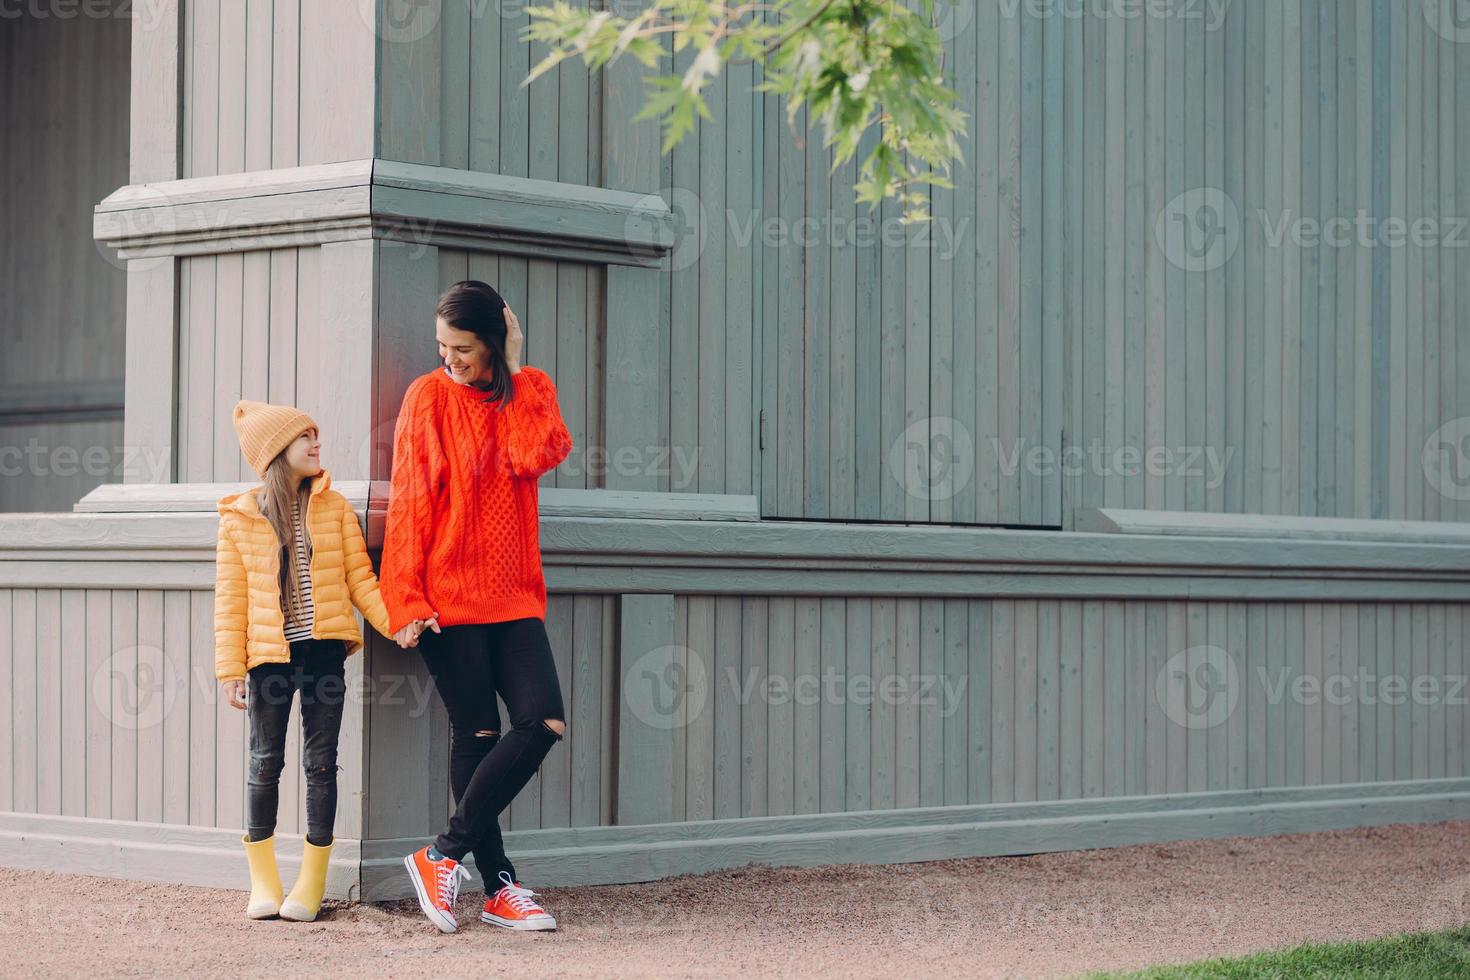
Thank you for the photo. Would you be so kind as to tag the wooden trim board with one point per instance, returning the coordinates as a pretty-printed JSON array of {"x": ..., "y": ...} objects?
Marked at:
[
  {"x": 211, "y": 857},
  {"x": 603, "y": 855},
  {"x": 405, "y": 202}
]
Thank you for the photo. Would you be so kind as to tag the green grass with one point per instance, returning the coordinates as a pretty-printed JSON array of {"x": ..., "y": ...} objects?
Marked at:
[{"x": 1417, "y": 956}]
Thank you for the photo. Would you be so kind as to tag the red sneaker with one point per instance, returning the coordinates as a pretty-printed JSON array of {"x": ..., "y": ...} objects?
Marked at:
[
  {"x": 437, "y": 885},
  {"x": 512, "y": 908}
]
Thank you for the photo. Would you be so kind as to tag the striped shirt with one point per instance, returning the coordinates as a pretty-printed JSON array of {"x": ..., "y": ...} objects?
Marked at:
[{"x": 305, "y": 610}]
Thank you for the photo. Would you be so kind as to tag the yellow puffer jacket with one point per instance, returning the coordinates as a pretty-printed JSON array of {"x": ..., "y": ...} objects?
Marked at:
[{"x": 249, "y": 627}]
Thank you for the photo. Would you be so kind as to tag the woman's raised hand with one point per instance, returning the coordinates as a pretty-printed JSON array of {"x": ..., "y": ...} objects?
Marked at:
[{"x": 515, "y": 340}]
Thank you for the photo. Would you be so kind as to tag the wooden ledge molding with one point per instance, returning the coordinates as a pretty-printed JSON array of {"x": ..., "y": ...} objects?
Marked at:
[{"x": 402, "y": 202}]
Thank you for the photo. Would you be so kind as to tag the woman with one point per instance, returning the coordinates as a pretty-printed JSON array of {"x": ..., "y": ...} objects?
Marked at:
[{"x": 461, "y": 577}]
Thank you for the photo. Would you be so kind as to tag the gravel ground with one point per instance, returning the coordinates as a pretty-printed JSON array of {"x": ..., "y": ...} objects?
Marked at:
[{"x": 1047, "y": 915}]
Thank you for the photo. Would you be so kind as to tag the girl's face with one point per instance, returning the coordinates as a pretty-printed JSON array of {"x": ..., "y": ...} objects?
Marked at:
[
  {"x": 304, "y": 455},
  {"x": 464, "y": 354}
]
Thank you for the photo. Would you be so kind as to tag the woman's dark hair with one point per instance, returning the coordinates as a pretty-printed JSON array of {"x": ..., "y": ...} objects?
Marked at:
[{"x": 476, "y": 307}]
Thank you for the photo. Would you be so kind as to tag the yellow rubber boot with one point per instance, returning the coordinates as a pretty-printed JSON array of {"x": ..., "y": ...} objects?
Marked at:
[
  {"x": 305, "y": 899},
  {"x": 265, "y": 881}
]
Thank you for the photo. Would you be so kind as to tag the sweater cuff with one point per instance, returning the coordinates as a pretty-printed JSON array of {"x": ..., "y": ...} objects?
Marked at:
[
  {"x": 530, "y": 380},
  {"x": 407, "y": 613}
]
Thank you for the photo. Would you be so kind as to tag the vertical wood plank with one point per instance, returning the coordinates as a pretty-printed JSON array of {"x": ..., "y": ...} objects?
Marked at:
[
  {"x": 47, "y": 649},
  {"x": 1025, "y": 699},
  {"x": 7, "y": 698},
  {"x": 647, "y": 625},
  {"x": 1138, "y": 691},
  {"x": 588, "y": 682},
  {"x": 1314, "y": 752},
  {"x": 1252, "y": 710},
  {"x": 285, "y": 105},
  {"x": 1156, "y": 724},
  {"x": 99, "y": 727},
  {"x": 832, "y": 754},
  {"x": 781, "y": 720},
  {"x": 1093, "y": 709},
  {"x": 1276, "y": 709},
  {"x": 123, "y": 688},
  {"x": 884, "y": 754},
  {"x": 955, "y": 685},
  {"x": 1069, "y": 615},
  {"x": 1332, "y": 727},
  {"x": 754, "y": 654},
  {"x": 178, "y": 673},
  {"x": 1375, "y": 725},
  {"x": 906, "y": 710},
  {"x": 1176, "y": 738},
  {"x": 1346, "y": 691},
  {"x": 152, "y": 700},
  {"x": 1419, "y": 669},
  {"x": 1407, "y": 754},
  {"x": 1115, "y": 735},
  {"x": 1294, "y": 727},
  {"x": 858, "y": 717},
  {"x": 1293, "y": 177},
  {"x": 1048, "y": 699},
  {"x": 74, "y": 701},
  {"x": 700, "y": 726},
  {"x": 1003, "y": 714},
  {"x": 1433, "y": 691}
]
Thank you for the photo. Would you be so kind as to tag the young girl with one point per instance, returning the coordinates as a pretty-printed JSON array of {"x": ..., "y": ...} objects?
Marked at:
[{"x": 290, "y": 565}]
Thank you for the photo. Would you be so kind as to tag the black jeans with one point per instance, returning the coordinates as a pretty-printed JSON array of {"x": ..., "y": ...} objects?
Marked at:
[
  {"x": 469, "y": 665},
  {"x": 315, "y": 670}
]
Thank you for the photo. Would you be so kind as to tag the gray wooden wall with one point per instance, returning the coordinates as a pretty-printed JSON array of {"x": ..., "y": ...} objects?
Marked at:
[
  {"x": 1315, "y": 373},
  {"x": 259, "y": 90},
  {"x": 1320, "y": 370},
  {"x": 1044, "y": 307},
  {"x": 139, "y": 732},
  {"x": 239, "y": 338},
  {"x": 998, "y": 701},
  {"x": 63, "y": 146},
  {"x": 1003, "y": 700}
]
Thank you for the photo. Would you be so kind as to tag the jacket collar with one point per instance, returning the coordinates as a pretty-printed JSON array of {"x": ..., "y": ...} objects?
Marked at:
[{"x": 248, "y": 503}]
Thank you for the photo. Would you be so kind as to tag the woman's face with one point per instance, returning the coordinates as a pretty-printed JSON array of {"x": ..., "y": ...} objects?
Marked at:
[
  {"x": 304, "y": 455},
  {"x": 464, "y": 354}
]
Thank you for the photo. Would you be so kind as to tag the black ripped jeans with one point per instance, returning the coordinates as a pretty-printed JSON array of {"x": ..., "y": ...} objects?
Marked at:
[
  {"x": 316, "y": 671},
  {"x": 469, "y": 665}
]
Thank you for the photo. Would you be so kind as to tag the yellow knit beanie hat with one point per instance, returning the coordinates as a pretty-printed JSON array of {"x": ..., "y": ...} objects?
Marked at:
[{"x": 265, "y": 430}]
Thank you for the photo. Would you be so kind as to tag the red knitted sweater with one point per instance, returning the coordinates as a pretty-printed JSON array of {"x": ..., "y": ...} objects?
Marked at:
[{"x": 463, "y": 535}]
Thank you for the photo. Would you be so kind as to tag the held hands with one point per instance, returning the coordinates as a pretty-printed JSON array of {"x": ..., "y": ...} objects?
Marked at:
[
  {"x": 234, "y": 691},
  {"x": 409, "y": 635}
]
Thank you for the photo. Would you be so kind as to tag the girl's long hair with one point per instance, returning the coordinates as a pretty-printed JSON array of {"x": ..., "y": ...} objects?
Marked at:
[
  {"x": 281, "y": 496},
  {"x": 475, "y": 306}
]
